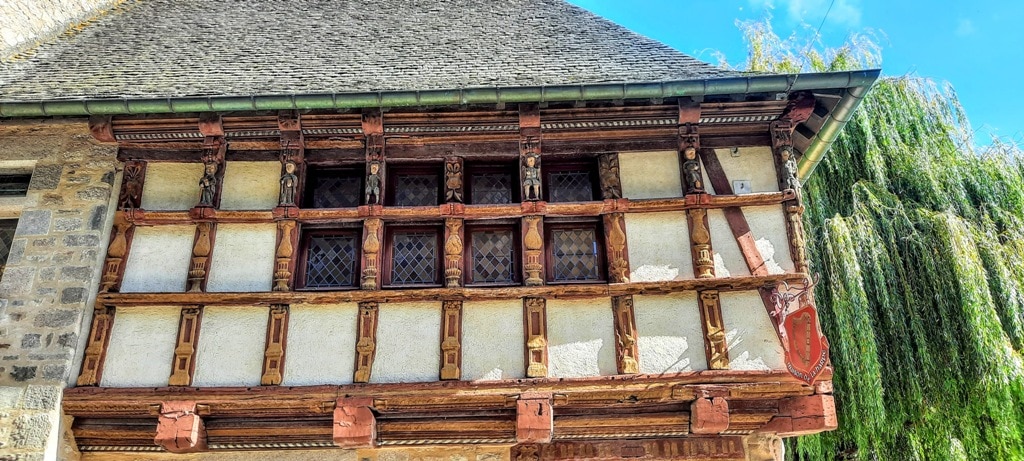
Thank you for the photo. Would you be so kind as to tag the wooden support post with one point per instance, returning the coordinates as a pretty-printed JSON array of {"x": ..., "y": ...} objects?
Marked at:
[
  {"x": 625, "y": 335},
  {"x": 293, "y": 162},
  {"x": 201, "y": 248},
  {"x": 689, "y": 143},
  {"x": 700, "y": 243},
  {"x": 132, "y": 180},
  {"x": 453, "y": 254},
  {"x": 366, "y": 341},
  {"x": 709, "y": 416},
  {"x": 96, "y": 347},
  {"x": 373, "y": 130},
  {"x": 534, "y": 418},
  {"x": 618, "y": 255},
  {"x": 354, "y": 424},
  {"x": 179, "y": 429},
  {"x": 274, "y": 354},
  {"x": 373, "y": 235},
  {"x": 530, "y": 152},
  {"x": 533, "y": 250},
  {"x": 786, "y": 166},
  {"x": 734, "y": 215},
  {"x": 184, "y": 363},
  {"x": 212, "y": 182},
  {"x": 535, "y": 323},
  {"x": 451, "y": 340},
  {"x": 608, "y": 172},
  {"x": 454, "y": 181},
  {"x": 716, "y": 348},
  {"x": 117, "y": 254},
  {"x": 287, "y": 241}
]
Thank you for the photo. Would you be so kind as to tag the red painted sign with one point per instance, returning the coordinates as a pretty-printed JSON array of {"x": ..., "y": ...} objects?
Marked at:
[{"x": 806, "y": 347}]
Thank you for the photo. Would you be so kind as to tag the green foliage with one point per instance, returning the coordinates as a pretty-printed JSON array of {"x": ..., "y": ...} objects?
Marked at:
[{"x": 919, "y": 241}]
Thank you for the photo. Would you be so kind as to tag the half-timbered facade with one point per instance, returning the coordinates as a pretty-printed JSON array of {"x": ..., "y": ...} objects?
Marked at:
[{"x": 566, "y": 271}]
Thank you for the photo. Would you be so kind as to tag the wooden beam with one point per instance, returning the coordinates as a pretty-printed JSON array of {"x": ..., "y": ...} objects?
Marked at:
[
  {"x": 700, "y": 243},
  {"x": 734, "y": 215},
  {"x": 534, "y": 418},
  {"x": 373, "y": 236},
  {"x": 202, "y": 247},
  {"x": 454, "y": 236},
  {"x": 366, "y": 341},
  {"x": 274, "y": 352},
  {"x": 179, "y": 428},
  {"x": 614, "y": 227},
  {"x": 716, "y": 348},
  {"x": 608, "y": 172},
  {"x": 535, "y": 327},
  {"x": 117, "y": 254},
  {"x": 184, "y": 360},
  {"x": 354, "y": 424},
  {"x": 533, "y": 251},
  {"x": 729, "y": 448},
  {"x": 96, "y": 345},
  {"x": 451, "y": 340},
  {"x": 626, "y": 352},
  {"x": 287, "y": 242}
]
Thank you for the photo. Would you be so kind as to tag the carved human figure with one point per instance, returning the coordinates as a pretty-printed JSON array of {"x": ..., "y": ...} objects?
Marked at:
[
  {"x": 691, "y": 171},
  {"x": 373, "y": 184},
  {"x": 531, "y": 178},
  {"x": 289, "y": 182},
  {"x": 789, "y": 179},
  {"x": 208, "y": 185}
]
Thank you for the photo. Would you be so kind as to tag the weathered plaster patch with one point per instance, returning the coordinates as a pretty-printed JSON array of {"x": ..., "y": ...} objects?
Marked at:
[
  {"x": 725, "y": 247},
  {"x": 321, "y": 345},
  {"x": 408, "y": 343},
  {"x": 171, "y": 186},
  {"x": 659, "y": 246},
  {"x": 159, "y": 259},
  {"x": 251, "y": 185},
  {"x": 581, "y": 338},
  {"x": 650, "y": 174},
  {"x": 671, "y": 339},
  {"x": 492, "y": 340},
  {"x": 231, "y": 345},
  {"x": 252, "y": 244},
  {"x": 769, "y": 223},
  {"x": 141, "y": 347},
  {"x": 753, "y": 342}
]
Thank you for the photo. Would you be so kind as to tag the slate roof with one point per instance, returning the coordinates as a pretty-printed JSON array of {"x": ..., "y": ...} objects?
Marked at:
[{"x": 177, "y": 48}]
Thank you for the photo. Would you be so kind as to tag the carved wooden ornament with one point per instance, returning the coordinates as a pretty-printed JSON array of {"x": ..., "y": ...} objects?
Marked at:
[
  {"x": 185, "y": 350},
  {"x": 608, "y": 172},
  {"x": 131, "y": 185},
  {"x": 286, "y": 240},
  {"x": 626, "y": 351},
  {"x": 373, "y": 229},
  {"x": 273, "y": 356},
  {"x": 210, "y": 183},
  {"x": 715, "y": 346},
  {"x": 117, "y": 252},
  {"x": 797, "y": 244},
  {"x": 96, "y": 348},
  {"x": 453, "y": 179},
  {"x": 451, "y": 340},
  {"x": 700, "y": 243},
  {"x": 453, "y": 246},
  {"x": 354, "y": 424},
  {"x": 366, "y": 341},
  {"x": 615, "y": 237},
  {"x": 179, "y": 429},
  {"x": 536, "y": 326},
  {"x": 200, "y": 257},
  {"x": 534, "y": 418},
  {"x": 533, "y": 245}
]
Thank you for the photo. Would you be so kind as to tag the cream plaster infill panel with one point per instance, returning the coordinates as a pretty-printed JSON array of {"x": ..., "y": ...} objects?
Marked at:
[
  {"x": 141, "y": 347},
  {"x": 321, "y": 344},
  {"x": 581, "y": 338},
  {"x": 659, "y": 246},
  {"x": 231, "y": 346},
  {"x": 171, "y": 186},
  {"x": 670, "y": 336},
  {"x": 768, "y": 226},
  {"x": 753, "y": 342},
  {"x": 754, "y": 164},
  {"x": 408, "y": 343},
  {"x": 729, "y": 260},
  {"x": 243, "y": 258},
  {"x": 650, "y": 174},
  {"x": 492, "y": 340},
  {"x": 251, "y": 185},
  {"x": 159, "y": 259}
]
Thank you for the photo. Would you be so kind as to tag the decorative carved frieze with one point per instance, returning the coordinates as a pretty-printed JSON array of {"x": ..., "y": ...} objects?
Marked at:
[
  {"x": 185, "y": 349},
  {"x": 96, "y": 347},
  {"x": 273, "y": 356},
  {"x": 704, "y": 448},
  {"x": 715, "y": 347},
  {"x": 453, "y": 238},
  {"x": 700, "y": 243},
  {"x": 117, "y": 251},
  {"x": 533, "y": 245},
  {"x": 451, "y": 340},
  {"x": 373, "y": 234},
  {"x": 366, "y": 341},
  {"x": 625, "y": 335},
  {"x": 535, "y": 323},
  {"x": 608, "y": 172},
  {"x": 615, "y": 246},
  {"x": 286, "y": 240},
  {"x": 200, "y": 257},
  {"x": 453, "y": 179},
  {"x": 132, "y": 179}
]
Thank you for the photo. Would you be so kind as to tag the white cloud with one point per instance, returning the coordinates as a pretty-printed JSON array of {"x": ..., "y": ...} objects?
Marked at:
[
  {"x": 964, "y": 28},
  {"x": 844, "y": 12}
]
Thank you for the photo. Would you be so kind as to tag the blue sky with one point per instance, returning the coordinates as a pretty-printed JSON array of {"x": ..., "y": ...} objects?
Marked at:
[{"x": 978, "y": 46}]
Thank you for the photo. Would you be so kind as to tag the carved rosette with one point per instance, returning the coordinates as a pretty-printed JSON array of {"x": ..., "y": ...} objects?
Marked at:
[
  {"x": 625, "y": 335},
  {"x": 112, "y": 270},
  {"x": 285, "y": 250},
  {"x": 715, "y": 346},
  {"x": 96, "y": 348},
  {"x": 797, "y": 244},
  {"x": 453, "y": 179},
  {"x": 131, "y": 185},
  {"x": 185, "y": 350},
  {"x": 200, "y": 256},
  {"x": 366, "y": 341},
  {"x": 615, "y": 236},
  {"x": 451, "y": 340},
  {"x": 371, "y": 252},
  {"x": 700, "y": 241},
  {"x": 273, "y": 356},
  {"x": 453, "y": 252},
  {"x": 608, "y": 171},
  {"x": 536, "y": 327},
  {"x": 533, "y": 243}
]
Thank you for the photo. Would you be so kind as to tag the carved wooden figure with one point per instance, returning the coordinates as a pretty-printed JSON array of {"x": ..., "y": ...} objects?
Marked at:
[
  {"x": 373, "y": 230},
  {"x": 535, "y": 323},
  {"x": 96, "y": 347},
  {"x": 366, "y": 341},
  {"x": 117, "y": 252},
  {"x": 453, "y": 179},
  {"x": 797, "y": 244},
  {"x": 608, "y": 172},
  {"x": 615, "y": 239},
  {"x": 200, "y": 257},
  {"x": 533, "y": 244},
  {"x": 273, "y": 356},
  {"x": 285, "y": 255},
  {"x": 700, "y": 243},
  {"x": 531, "y": 175},
  {"x": 373, "y": 129},
  {"x": 289, "y": 185},
  {"x": 693, "y": 180},
  {"x": 131, "y": 185},
  {"x": 185, "y": 350},
  {"x": 451, "y": 340},
  {"x": 715, "y": 347},
  {"x": 625, "y": 335},
  {"x": 453, "y": 238}
]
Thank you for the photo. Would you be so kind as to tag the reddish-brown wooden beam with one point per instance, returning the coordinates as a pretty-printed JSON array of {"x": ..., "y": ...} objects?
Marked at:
[
  {"x": 96, "y": 345},
  {"x": 276, "y": 346},
  {"x": 184, "y": 361},
  {"x": 734, "y": 215}
]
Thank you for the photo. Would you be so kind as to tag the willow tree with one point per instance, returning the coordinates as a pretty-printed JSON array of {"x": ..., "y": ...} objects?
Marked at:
[{"x": 919, "y": 242}]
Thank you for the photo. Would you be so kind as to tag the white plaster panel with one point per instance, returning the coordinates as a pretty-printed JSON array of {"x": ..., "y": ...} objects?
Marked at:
[
  {"x": 659, "y": 246},
  {"x": 670, "y": 336},
  {"x": 755, "y": 164},
  {"x": 321, "y": 344},
  {"x": 171, "y": 186},
  {"x": 408, "y": 343},
  {"x": 768, "y": 225},
  {"x": 251, "y": 185},
  {"x": 650, "y": 174},
  {"x": 141, "y": 347},
  {"x": 581, "y": 338},
  {"x": 159, "y": 259},
  {"x": 243, "y": 258},
  {"x": 753, "y": 342},
  {"x": 728, "y": 258},
  {"x": 231, "y": 346},
  {"x": 492, "y": 340}
]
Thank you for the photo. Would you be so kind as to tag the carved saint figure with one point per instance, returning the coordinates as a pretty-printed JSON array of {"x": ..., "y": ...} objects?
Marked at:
[
  {"x": 531, "y": 178},
  {"x": 208, "y": 185},
  {"x": 691, "y": 171},
  {"x": 373, "y": 184},
  {"x": 288, "y": 184},
  {"x": 789, "y": 179}
]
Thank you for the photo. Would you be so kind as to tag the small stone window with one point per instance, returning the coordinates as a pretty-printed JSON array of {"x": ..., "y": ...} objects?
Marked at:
[
  {"x": 331, "y": 260},
  {"x": 414, "y": 186},
  {"x": 569, "y": 182},
  {"x": 335, "y": 187},
  {"x": 492, "y": 184},
  {"x": 493, "y": 257},
  {"x": 7, "y": 227},
  {"x": 574, "y": 253},
  {"x": 14, "y": 185},
  {"x": 411, "y": 256}
]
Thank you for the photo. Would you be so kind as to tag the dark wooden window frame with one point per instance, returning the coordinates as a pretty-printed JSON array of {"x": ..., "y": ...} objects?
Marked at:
[
  {"x": 314, "y": 172},
  {"x": 569, "y": 224},
  {"x": 484, "y": 168},
  {"x": 303, "y": 260},
  {"x": 517, "y": 255},
  {"x": 393, "y": 171},
  {"x": 553, "y": 166},
  {"x": 388, "y": 264}
]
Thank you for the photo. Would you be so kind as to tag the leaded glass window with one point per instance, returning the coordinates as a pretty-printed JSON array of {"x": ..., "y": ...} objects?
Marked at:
[
  {"x": 575, "y": 255},
  {"x": 340, "y": 189},
  {"x": 7, "y": 227},
  {"x": 570, "y": 186},
  {"x": 491, "y": 187},
  {"x": 416, "y": 189},
  {"x": 414, "y": 258},
  {"x": 493, "y": 257},
  {"x": 332, "y": 261}
]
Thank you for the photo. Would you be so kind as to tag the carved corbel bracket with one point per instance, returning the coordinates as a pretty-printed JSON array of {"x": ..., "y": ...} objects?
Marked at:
[
  {"x": 451, "y": 340},
  {"x": 533, "y": 246},
  {"x": 454, "y": 180},
  {"x": 366, "y": 341},
  {"x": 535, "y": 324},
  {"x": 373, "y": 235},
  {"x": 709, "y": 415},
  {"x": 530, "y": 152},
  {"x": 201, "y": 248},
  {"x": 626, "y": 335},
  {"x": 132, "y": 180},
  {"x": 277, "y": 335},
  {"x": 117, "y": 254},
  {"x": 286, "y": 243},
  {"x": 185, "y": 350},
  {"x": 689, "y": 145},
  {"x": 354, "y": 424},
  {"x": 210, "y": 184},
  {"x": 534, "y": 418},
  {"x": 96, "y": 347},
  {"x": 715, "y": 346},
  {"x": 179, "y": 428},
  {"x": 618, "y": 256}
]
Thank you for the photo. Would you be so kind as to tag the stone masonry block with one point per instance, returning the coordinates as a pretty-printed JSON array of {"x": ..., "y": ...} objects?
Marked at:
[
  {"x": 56, "y": 318},
  {"x": 30, "y": 341},
  {"x": 46, "y": 177},
  {"x": 72, "y": 295},
  {"x": 9, "y": 397},
  {"x": 23, "y": 373},
  {"x": 34, "y": 222},
  {"x": 30, "y": 431},
  {"x": 41, "y": 397},
  {"x": 78, "y": 274}
]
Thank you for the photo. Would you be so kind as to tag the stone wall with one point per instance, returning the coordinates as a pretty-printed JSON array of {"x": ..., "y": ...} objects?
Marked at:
[
  {"x": 26, "y": 22},
  {"x": 48, "y": 287}
]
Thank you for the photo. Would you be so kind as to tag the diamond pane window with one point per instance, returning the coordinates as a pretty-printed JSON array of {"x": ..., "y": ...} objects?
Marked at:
[
  {"x": 491, "y": 187},
  {"x": 416, "y": 189},
  {"x": 7, "y": 227},
  {"x": 341, "y": 190},
  {"x": 570, "y": 186},
  {"x": 332, "y": 261},
  {"x": 493, "y": 257},
  {"x": 414, "y": 258},
  {"x": 575, "y": 256}
]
